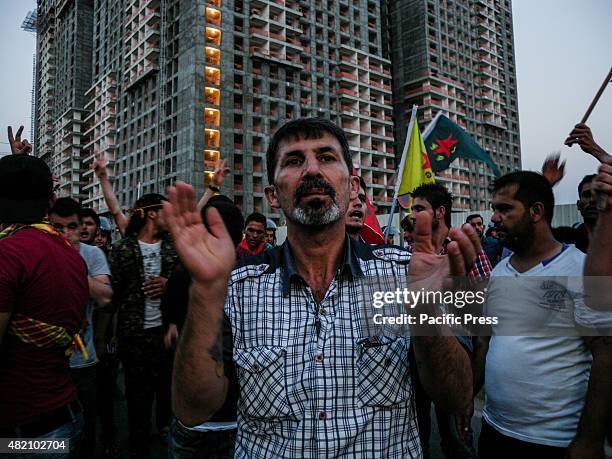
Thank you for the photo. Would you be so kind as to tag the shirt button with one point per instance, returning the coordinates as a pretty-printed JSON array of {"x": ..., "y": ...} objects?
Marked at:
[
  {"x": 322, "y": 311},
  {"x": 322, "y": 415},
  {"x": 256, "y": 367},
  {"x": 319, "y": 357},
  {"x": 387, "y": 362}
]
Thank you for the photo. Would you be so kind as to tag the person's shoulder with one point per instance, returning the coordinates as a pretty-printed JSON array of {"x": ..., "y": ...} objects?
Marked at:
[
  {"x": 573, "y": 257},
  {"x": 501, "y": 268},
  {"x": 91, "y": 251},
  {"x": 267, "y": 262}
]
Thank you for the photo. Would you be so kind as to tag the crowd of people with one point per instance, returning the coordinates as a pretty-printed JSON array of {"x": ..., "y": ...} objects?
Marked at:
[{"x": 237, "y": 346}]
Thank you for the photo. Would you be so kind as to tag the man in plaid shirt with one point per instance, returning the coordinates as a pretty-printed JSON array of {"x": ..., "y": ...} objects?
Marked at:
[{"x": 312, "y": 382}]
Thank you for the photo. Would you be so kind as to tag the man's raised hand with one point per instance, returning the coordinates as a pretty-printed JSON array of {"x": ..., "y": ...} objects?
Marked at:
[
  {"x": 462, "y": 251},
  {"x": 581, "y": 135},
  {"x": 553, "y": 169},
  {"x": 221, "y": 171},
  {"x": 206, "y": 251},
  {"x": 18, "y": 146},
  {"x": 99, "y": 166}
]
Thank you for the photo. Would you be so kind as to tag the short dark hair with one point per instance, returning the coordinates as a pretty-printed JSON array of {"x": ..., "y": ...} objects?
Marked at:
[
  {"x": 406, "y": 223},
  {"x": 66, "y": 207},
  {"x": 230, "y": 214},
  {"x": 586, "y": 179},
  {"x": 307, "y": 128},
  {"x": 138, "y": 214},
  {"x": 437, "y": 196},
  {"x": 89, "y": 212},
  {"x": 469, "y": 217},
  {"x": 531, "y": 188},
  {"x": 256, "y": 217},
  {"x": 362, "y": 183}
]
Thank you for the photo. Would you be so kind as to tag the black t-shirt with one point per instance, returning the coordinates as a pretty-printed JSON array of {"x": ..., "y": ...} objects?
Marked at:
[{"x": 174, "y": 310}]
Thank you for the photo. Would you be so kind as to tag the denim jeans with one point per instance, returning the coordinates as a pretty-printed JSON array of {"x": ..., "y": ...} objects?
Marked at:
[
  {"x": 190, "y": 444},
  {"x": 71, "y": 431}
]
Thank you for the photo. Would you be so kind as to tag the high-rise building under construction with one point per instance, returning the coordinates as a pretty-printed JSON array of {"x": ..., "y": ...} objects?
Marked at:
[
  {"x": 457, "y": 56},
  {"x": 174, "y": 85},
  {"x": 163, "y": 88}
]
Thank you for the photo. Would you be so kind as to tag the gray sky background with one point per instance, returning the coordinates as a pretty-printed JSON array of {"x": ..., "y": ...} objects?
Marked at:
[{"x": 563, "y": 52}]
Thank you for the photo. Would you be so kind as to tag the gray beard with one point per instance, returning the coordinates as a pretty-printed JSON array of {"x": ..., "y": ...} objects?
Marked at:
[{"x": 316, "y": 217}]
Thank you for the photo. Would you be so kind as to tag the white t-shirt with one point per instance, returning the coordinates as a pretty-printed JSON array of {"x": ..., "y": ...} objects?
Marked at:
[
  {"x": 151, "y": 260},
  {"x": 535, "y": 386}
]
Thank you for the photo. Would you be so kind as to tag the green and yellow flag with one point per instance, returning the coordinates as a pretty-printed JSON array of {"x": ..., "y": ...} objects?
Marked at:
[{"x": 417, "y": 169}]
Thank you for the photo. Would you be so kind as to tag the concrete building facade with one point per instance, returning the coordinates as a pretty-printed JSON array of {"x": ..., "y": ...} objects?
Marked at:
[
  {"x": 175, "y": 84},
  {"x": 457, "y": 56}
]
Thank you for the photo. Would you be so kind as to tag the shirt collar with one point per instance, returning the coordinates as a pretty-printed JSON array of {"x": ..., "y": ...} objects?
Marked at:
[{"x": 350, "y": 263}]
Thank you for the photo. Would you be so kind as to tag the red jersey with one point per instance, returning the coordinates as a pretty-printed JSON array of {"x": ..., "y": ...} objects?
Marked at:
[{"x": 43, "y": 278}]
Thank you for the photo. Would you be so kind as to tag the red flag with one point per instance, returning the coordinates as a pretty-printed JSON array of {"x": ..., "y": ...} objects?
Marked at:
[{"x": 371, "y": 232}]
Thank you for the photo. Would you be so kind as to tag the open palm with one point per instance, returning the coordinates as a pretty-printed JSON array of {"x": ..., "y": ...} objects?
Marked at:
[{"x": 208, "y": 254}]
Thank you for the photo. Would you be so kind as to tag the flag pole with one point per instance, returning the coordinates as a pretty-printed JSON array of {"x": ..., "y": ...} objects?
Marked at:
[
  {"x": 597, "y": 96},
  {"x": 398, "y": 181},
  {"x": 432, "y": 124}
]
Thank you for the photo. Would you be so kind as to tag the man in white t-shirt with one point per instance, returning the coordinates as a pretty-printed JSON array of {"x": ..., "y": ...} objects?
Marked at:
[
  {"x": 544, "y": 386},
  {"x": 65, "y": 216},
  {"x": 140, "y": 265}
]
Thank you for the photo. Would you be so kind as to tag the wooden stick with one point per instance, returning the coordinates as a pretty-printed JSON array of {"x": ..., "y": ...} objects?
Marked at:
[{"x": 597, "y": 96}]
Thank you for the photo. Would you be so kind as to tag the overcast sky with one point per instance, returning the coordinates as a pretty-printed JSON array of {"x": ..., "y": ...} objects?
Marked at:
[{"x": 563, "y": 52}]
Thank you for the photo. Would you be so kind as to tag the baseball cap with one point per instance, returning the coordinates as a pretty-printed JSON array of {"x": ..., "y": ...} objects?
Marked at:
[
  {"x": 26, "y": 185},
  {"x": 104, "y": 224},
  {"x": 270, "y": 225}
]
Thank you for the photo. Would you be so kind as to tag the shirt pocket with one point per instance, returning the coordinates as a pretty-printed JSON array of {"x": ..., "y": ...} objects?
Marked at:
[
  {"x": 383, "y": 371},
  {"x": 263, "y": 389}
]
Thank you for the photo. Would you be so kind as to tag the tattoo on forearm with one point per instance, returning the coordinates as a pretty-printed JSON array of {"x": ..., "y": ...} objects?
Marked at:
[{"x": 216, "y": 352}]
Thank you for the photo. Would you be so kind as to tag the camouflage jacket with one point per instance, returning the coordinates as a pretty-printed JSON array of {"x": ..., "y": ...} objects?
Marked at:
[{"x": 127, "y": 273}]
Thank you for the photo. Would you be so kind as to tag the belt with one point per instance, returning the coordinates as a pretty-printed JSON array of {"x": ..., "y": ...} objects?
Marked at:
[{"x": 50, "y": 421}]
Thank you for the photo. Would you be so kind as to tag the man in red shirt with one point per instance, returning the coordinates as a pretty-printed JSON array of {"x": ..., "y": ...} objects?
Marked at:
[{"x": 43, "y": 292}]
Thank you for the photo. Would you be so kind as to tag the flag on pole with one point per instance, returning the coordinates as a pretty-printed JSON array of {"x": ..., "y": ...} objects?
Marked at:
[
  {"x": 447, "y": 141},
  {"x": 371, "y": 232},
  {"x": 417, "y": 169}
]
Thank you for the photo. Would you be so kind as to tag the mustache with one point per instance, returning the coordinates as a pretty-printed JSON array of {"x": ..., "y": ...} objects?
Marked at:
[{"x": 306, "y": 186}]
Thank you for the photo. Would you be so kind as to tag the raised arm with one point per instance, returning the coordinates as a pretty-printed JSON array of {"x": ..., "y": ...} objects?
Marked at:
[
  {"x": 217, "y": 180},
  {"x": 582, "y": 136},
  {"x": 599, "y": 257},
  {"x": 99, "y": 167},
  {"x": 444, "y": 366},
  {"x": 199, "y": 385}
]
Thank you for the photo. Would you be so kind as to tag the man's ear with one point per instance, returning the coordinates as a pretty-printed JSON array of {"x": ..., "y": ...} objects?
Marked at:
[
  {"x": 537, "y": 212},
  {"x": 270, "y": 192},
  {"x": 355, "y": 184},
  {"x": 440, "y": 213}
]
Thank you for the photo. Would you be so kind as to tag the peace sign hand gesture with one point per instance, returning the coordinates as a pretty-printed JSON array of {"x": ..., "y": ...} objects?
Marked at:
[{"x": 18, "y": 146}]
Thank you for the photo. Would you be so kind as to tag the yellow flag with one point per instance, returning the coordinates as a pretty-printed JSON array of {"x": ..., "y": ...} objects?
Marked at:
[{"x": 417, "y": 169}]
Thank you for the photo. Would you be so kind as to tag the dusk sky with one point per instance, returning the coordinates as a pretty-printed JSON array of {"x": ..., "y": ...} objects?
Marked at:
[{"x": 563, "y": 52}]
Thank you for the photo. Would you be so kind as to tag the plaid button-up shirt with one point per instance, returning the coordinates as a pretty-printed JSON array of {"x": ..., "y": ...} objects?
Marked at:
[
  {"x": 312, "y": 383},
  {"x": 482, "y": 266}
]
